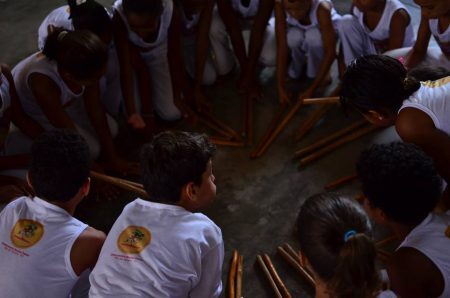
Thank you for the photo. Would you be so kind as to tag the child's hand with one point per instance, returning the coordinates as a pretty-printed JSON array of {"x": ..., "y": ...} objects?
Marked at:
[{"x": 136, "y": 121}]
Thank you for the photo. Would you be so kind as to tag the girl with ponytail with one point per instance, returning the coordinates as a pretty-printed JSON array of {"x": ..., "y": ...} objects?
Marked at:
[
  {"x": 337, "y": 247},
  {"x": 381, "y": 89}
]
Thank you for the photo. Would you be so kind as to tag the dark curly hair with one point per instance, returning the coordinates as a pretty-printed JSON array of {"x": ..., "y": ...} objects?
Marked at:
[
  {"x": 172, "y": 160},
  {"x": 92, "y": 16},
  {"x": 401, "y": 180},
  {"x": 59, "y": 165}
]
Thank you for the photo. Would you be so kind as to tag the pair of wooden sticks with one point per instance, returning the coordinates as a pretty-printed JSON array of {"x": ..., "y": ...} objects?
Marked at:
[
  {"x": 292, "y": 257},
  {"x": 333, "y": 141},
  {"x": 341, "y": 181},
  {"x": 235, "y": 275},
  {"x": 272, "y": 276},
  {"x": 121, "y": 183}
]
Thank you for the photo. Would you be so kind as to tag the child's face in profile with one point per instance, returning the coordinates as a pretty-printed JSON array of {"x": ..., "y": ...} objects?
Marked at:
[
  {"x": 298, "y": 9},
  {"x": 365, "y": 5},
  {"x": 206, "y": 191},
  {"x": 143, "y": 25},
  {"x": 433, "y": 9}
]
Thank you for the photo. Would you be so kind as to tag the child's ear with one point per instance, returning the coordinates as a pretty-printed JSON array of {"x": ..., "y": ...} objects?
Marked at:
[
  {"x": 86, "y": 186},
  {"x": 189, "y": 191},
  {"x": 378, "y": 118}
]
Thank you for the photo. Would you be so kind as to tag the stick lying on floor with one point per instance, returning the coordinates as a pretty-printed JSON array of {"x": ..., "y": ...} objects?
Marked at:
[
  {"x": 122, "y": 183},
  {"x": 341, "y": 181},
  {"x": 235, "y": 276},
  {"x": 287, "y": 253},
  {"x": 311, "y": 121},
  {"x": 269, "y": 277}
]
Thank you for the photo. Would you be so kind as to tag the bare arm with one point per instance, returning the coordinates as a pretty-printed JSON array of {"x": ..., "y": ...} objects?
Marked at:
[
  {"x": 419, "y": 49},
  {"x": 86, "y": 249},
  {"x": 282, "y": 51},
  {"x": 397, "y": 29}
]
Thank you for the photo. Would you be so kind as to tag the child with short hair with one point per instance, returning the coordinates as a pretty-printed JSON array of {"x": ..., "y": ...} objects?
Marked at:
[
  {"x": 338, "y": 249},
  {"x": 402, "y": 188},
  {"x": 435, "y": 20},
  {"x": 380, "y": 88},
  {"x": 44, "y": 249},
  {"x": 308, "y": 29},
  {"x": 375, "y": 27},
  {"x": 162, "y": 247}
]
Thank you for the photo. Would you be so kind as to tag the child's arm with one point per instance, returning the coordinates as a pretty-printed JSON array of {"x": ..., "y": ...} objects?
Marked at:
[
  {"x": 126, "y": 71},
  {"x": 47, "y": 95},
  {"x": 25, "y": 123},
  {"x": 255, "y": 46},
  {"x": 419, "y": 49},
  {"x": 86, "y": 249},
  {"x": 328, "y": 35},
  {"x": 399, "y": 22},
  {"x": 414, "y": 126},
  {"x": 231, "y": 22},
  {"x": 282, "y": 51}
]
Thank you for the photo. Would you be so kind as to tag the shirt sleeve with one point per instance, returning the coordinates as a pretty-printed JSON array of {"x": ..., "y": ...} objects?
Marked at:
[{"x": 210, "y": 283}]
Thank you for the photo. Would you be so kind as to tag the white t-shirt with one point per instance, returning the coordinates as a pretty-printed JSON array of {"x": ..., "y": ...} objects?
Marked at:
[
  {"x": 433, "y": 98},
  {"x": 312, "y": 16},
  {"x": 443, "y": 39},
  {"x": 59, "y": 18},
  {"x": 159, "y": 250},
  {"x": 382, "y": 30},
  {"x": 432, "y": 238},
  {"x": 4, "y": 94},
  {"x": 36, "y": 238}
]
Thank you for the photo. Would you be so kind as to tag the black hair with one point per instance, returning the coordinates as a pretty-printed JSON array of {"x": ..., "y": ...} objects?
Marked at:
[
  {"x": 376, "y": 82},
  {"x": 427, "y": 73},
  {"x": 59, "y": 165},
  {"x": 173, "y": 159},
  {"x": 401, "y": 180},
  {"x": 143, "y": 7},
  {"x": 90, "y": 15},
  {"x": 335, "y": 236},
  {"x": 80, "y": 52}
]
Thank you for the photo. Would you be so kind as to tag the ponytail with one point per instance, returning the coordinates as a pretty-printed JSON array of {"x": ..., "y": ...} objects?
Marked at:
[
  {"x": 356, "y": 275},
  {"x": 53, "y": 42}
]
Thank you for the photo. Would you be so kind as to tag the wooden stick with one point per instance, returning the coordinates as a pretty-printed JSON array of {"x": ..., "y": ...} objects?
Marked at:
[
  {"x": 295, "y": 256},
  {"x": 268, "y": 276},
  {"x": 328, "y": 139},
  {"x": 341, "y": 181},
  {"x": 249, "y": 120},
  {"x": 293, "y": 110},
  {"x": 321, "y": 100},
  {"x": 232, "y": 275},
  {"x": 285, "y": 255},
  {"x": 226, "y": 142},
  {"x": 273, "y": 272},
  {"x": 222, "y": 125},
  {"x": 311, "y": 121},
  {"x": 240, "y": 271},
  {"x": 122, "y": 183},
  {"x": 271, "y": 127},
  {"x": 351, "y": 137},
  {"x": 214, "y": 127},
  {"x": 386, "y": 241}
]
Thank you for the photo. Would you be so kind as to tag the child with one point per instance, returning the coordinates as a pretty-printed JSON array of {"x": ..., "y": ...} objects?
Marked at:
[
  {"x": 51, "y": 84},
  {"x": 402, "y": 188},
  {"x": 311, "y": 38},
  {"x": 238, "y": 14},
  {"x": 376, "y": 26},
  {"x": 92, "y": 16},
  {"x": 435, "y": 20},
  {"x": 11, "y": 177},
  {"x": 338, "y": 249},
  {"x": 44, "y": 249},
  {"x": 162, "y": 248},
  {"x": 378, "y": 86}
]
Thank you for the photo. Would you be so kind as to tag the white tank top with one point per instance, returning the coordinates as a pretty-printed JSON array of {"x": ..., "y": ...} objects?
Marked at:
[
  {"x": 189, "y": 24},
  {"x": 38, "y": 63},
  {"x": 443, "y": 39},
  {"x": 4, "y": 94},
  {"x": 161, "y": 40},
  {"x": 59, "y": 18},
  {"x": 381, "y": 31},
  {"x": 36, "y": 238},
  {"x": 312, "y": 16},
  {"x": 432, "y": 238},
  {"x": 244, "y": 11},
  {"x": 433, "y": 98},
  {"x": 159, "y": 250}
]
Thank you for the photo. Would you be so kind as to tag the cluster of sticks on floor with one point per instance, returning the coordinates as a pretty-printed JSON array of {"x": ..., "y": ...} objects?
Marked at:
[{"x": 292, "y": 257}]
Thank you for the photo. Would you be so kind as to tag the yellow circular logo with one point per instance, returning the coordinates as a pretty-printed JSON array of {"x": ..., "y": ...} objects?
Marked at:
[
  {"x": 26, "y": 233},
  {"x": 133, "y": 239},
  {"x": 447, "y": 232}
]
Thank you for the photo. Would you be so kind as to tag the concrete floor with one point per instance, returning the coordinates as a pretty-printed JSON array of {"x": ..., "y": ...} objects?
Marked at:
[{"x": 258, "y": 200}]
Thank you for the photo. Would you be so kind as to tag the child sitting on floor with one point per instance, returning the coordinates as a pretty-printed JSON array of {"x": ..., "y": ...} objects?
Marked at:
[
  {"x": 402, "y": 188},
  {"x": 44, "y": 249},
  {"x": 379, "y": 87},
  {"x": 162, "y": 247},
  {"x": 336, "y": 246}
]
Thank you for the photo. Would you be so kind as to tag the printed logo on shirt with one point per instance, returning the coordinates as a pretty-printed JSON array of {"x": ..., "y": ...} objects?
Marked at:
[
  {"x": 447, "y": 232},
  {"x": 26, "y": 233},
  {"x": 133, "y": 239},
  {"x": 437, "y": 83}
]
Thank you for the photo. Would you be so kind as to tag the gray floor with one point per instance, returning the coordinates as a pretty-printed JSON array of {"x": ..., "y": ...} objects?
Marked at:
[{"x": 257, "y": 200}]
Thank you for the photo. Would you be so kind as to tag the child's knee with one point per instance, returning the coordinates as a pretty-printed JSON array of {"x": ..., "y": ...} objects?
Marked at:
[{"x": 295, "y": 38}]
